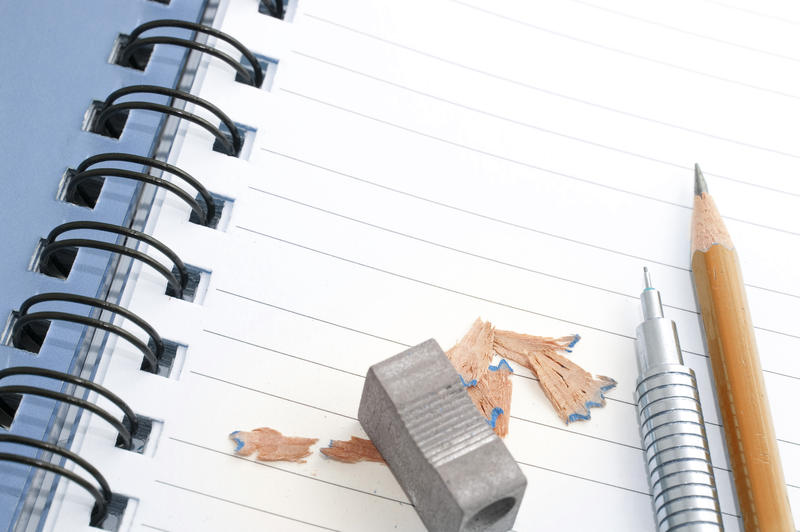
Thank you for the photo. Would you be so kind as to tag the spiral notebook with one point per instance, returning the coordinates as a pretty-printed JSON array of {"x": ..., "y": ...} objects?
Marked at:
[{"x": 299, "y": 189}]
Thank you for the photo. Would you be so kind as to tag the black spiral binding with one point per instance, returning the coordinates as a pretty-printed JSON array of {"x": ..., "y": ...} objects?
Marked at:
[
  {"x": 109, "y": 108},
  {"x": 49, "y": 265},
  {"x": 102, "y": 496},
  {"x": 84, "y": 178},
  {"x": 125, "y": 433},
  {"x": 29, "y": 328},
  {"x": 23, "y": 334},
  {"x": 131, "y": 54}
]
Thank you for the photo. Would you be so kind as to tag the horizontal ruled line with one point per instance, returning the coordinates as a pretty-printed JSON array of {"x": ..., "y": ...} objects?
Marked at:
[
  {"x": 453, "y": 291},
  {"x": 607, "y": 440},
  {"x": 492, "y": 155},
  {"x": 439, "y": 287},
  {"x": 275, "y": 396},
  {"x": 495, "y": 219},
  {"x": 562, "y": 429},
  {"x": 587, "y": 479},
  {"x": 647, "y": 494},
  {"x": 241, "y": 505},
  {"x": 519, "y": 418},
  {"x": 283, "y": 353},
  {"x": 363, "y": 377},
  {"x": 293, "y": 473},
  {"x": 348, "y": 417},
  {"x": 688, "y": 32},
  {"x": 552, "y": 132},
  {"x": 626, "y": 53},
  {"x": 551, "y": 92},
  {"x": 456, "y": 250},
  {"x": 755, "y": 13},
  {"x": 524, "y": 164},
  {"x": 397, "y": 342},
  {"x": 309, "y": 317},
  {"x": 389, "y": 498},
  {"x": 477, "y": 214},
  {"x": 629, "y": 403},
  {"x": 341, "y": 486},
  {"x": 707, "y": 422},
  {"x": 485, "y": 258}
]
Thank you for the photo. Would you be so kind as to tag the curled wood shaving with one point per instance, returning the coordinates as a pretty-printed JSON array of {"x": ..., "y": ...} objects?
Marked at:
[
  {"x": 271, "y": 445},
  {"x": 352, "y": 451}
]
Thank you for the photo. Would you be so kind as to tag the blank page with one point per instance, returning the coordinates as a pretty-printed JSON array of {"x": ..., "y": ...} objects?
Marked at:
[{"x": 418, "y": 164}]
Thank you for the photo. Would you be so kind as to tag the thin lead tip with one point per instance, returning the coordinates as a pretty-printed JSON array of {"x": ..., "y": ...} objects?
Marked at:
[
  {"x": 648, "y": 283},
  {"x": 700, "y": 186},
  {"x": 651, "y": 299}
]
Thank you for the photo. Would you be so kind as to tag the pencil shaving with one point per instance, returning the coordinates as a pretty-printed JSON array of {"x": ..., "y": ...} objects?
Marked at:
[
  {"x": 492, "y": 396},
  {"x": 489, "y": 390},
  {"x": 472, "y": 354},
  {"x": 271, "y": 445},
  {"x": 352, "y": 451},
  {"x": 571, "y": 390}
]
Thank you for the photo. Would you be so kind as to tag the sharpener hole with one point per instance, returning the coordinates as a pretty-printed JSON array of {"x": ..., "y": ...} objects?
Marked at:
[{"x": 490, "y": 515}]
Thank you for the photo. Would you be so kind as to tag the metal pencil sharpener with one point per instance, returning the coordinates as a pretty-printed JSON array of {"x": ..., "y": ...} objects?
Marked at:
[{"x": 455, "y": 470}]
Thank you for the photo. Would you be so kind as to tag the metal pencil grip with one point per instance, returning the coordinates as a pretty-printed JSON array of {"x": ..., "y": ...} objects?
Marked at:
[{"x": 681, "y": 477}]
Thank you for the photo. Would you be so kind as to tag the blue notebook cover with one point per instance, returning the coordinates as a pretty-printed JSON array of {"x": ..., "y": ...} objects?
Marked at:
[{"x": 54, "y": 64}]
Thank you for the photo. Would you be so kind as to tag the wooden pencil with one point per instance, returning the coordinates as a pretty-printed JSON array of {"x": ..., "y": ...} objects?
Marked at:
[{"x": 740, "y": 390}]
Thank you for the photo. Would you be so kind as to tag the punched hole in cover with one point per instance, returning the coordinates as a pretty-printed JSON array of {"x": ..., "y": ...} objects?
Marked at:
[
  {"x": 58, "y": 264},
  {"x": 144, "y": 427},
  {"x": 85, "y": 194},
  {"x": 138, "y": 60},
  {"x": 220, "y": 204},
  {"x": 245, "y": 133},
  {"x": 268, "y": 67},
  {"x": 112, "y": 127},
  {"x": 30, "y": 338},
  {"x": 170, "y": 361},
  {"x": 490, "y": 515},
  {"x": 196, "y": 282},
  {"x": 9, "y": 404},
  {"x": 116, "y": 511},
  {"x": 274, "y": 8}
]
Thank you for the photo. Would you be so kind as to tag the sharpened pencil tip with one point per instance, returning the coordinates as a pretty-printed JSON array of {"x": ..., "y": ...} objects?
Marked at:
[{"x": 700, "y": 186}]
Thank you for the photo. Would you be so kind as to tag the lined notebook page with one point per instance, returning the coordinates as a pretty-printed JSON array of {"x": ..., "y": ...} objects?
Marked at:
[{"x": 419, "y": 164}]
